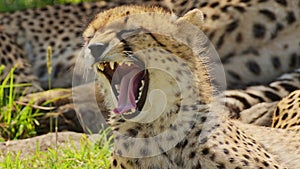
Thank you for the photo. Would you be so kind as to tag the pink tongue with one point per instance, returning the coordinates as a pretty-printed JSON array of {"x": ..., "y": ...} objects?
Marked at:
[{"x": 128, "y": 91}]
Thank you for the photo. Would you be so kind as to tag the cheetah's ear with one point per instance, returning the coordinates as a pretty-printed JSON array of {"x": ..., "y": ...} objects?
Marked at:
[{"x": 194, "y": 17}]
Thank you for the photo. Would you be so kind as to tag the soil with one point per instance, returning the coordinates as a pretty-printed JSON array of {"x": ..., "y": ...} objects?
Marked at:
[{"x": 43, "y": 142}]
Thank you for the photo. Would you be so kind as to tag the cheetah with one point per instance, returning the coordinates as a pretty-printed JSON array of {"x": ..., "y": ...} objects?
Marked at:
[
  {"x": 286, "y": 114},
  {"x": 139, "y": 70},
  {"x": 226, "y": 22},
  {"x": 251, "y": 106},
  {"x": 15, "y": 55},
  {"x": 274, "y": 48}
]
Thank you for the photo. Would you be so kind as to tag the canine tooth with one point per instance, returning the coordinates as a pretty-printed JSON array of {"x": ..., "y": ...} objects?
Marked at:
[
  {"x": 100, "y": 67},
  {"x": 140, "y": 95},
  {"x": 117, "y": 87},
  {"x": 142, "y": 86},
  {"x": 143, "y": 83},
  {"x": 112, "y": 65},
  {"x": 128, "y": 63},
  {"x": 121, "y": 63}
]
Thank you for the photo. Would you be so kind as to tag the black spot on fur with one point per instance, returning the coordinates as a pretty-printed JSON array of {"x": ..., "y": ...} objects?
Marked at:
[
  {"x": 266, "y": 164},
  {"x": 269, "y": 14},
  {"x": 197, "y": 166},
  {"x": 293, "y": 61},
  {"x": 42, "y": 70},
  {"x": 245, "y": 1},
  {"x": 234, "y": 149},
  {"x": 221, "y": 166},
  {"x": 253, "y": 67},
  {"x": 275, "y": 123},
  {"x": 279, "y": 27},
  {"x": 285, "y": 116},
  {"x": 290, "y": 17},
  {"x": 220, "y": 41},
  {"x": 182, "y": 144},
  {"x": 192, "y": 154},
  {"x": 282, "y": 2},
  {"x": 205, "y": 151},
  {"x": 234, "y": 75},
  {"x": 288, "y": 87},
  {"x": 259, "y": 31},
  {"x": 240, "y": 9},
  {"x": 132, "y": 132},
  {"x": 225, "y": 151},
  {"x": 215, "y": 17},
  {"x": 203, "y": 119},
  {"x": 294, "y": 115},
  {"x": 203, "y": 4},
  {"x": 246, "y": 156},
  {"x": 276, "y": 62},
  {"x": 225, "y": 8},
  {"x": 214, "y": 4},
  {"x": 242, "y": 100},
  {"x": 115, "y": 163},
  {"x": 272, "y": 96},
  {"x": 261, "y": 99},
  {"x": 239, "y": 38},
  {"x": 251, "y": 50},
  {"x": 227, "y": 57},
  {"x": 232, "y": 26}
]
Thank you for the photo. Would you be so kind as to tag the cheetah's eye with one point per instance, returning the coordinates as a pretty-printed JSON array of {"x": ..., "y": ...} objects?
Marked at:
[{"x": 129, "y": 82}]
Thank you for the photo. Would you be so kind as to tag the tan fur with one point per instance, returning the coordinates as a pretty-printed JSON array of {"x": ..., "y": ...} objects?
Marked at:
[
  {"x": 212, "y": 141},
  {"x": 286, "y": 114}
]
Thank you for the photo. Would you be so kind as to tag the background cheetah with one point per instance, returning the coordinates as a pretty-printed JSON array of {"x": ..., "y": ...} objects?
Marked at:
[{"x": 286, "y": 114}]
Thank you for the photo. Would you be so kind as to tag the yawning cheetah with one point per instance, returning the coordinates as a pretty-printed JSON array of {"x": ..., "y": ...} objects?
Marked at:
[{"x": 154, "y": 72}]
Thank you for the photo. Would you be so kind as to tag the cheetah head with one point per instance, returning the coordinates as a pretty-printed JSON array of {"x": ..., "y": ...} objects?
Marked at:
[{"x": 144, "y": 64}]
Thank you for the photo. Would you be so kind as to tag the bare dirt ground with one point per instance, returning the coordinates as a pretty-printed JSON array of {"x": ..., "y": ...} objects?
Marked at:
[{"x": 43, "y": 142}]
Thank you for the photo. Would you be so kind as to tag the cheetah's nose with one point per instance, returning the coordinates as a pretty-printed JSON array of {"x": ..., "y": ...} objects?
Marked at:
[{"x": 97, "y": 49}]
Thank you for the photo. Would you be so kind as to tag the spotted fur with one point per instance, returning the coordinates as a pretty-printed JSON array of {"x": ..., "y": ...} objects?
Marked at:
[
  {"x": 238, "y": 100},
  {"x": 60, "y": 27},
  {"x": 209, "y": 139},
  {"x": 13, "y": 56},
  {"x": 274, "y": 36},
  {"x": 286, "y": 114},
  {"x": 230, "y": 25}
]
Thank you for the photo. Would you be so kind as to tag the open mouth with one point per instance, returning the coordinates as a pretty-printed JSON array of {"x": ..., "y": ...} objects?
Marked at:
[{"x": 129, "y": 82}]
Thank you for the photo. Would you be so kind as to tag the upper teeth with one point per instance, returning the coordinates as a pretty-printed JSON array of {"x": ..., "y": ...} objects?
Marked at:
[
  {"x": 100, "y": 67},
  {"x": 112, "y": 65},
  {"x": 117, "y": 86}
]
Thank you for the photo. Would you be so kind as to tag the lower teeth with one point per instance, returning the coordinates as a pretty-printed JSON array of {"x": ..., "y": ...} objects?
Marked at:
[
  {"x": 130, "y": 112},
  {"x": 141, "y": 89}
]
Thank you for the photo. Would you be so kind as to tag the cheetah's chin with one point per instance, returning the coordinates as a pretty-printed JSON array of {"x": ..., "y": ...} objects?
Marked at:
[{"x": 129, "y": 82}]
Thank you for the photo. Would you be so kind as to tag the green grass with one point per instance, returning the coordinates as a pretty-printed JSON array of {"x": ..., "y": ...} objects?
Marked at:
[
  {"x": 88, "y": 156},
  {"x": 13, "y": 5},
  {"x": 16, "y": 121}
]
